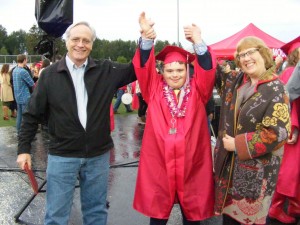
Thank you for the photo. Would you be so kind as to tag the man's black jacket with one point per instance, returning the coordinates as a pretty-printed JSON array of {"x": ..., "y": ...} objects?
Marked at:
[{"x": 54, "y": 97}]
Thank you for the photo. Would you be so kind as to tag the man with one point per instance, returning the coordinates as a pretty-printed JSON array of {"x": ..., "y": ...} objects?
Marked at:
[
  {"x": 75, "y": 93},
  {"x": 22, "y": 83}
]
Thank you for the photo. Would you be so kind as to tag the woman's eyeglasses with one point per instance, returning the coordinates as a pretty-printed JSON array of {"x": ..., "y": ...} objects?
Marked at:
[{"x": 248, "y": 53}]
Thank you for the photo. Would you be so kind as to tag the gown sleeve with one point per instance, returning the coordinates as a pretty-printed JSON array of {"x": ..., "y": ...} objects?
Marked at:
[
  {"x": 205, "y": 79},
  {"x": 146, "y": 74}
]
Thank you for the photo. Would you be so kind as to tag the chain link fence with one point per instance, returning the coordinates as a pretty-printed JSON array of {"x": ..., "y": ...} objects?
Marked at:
[{"x": 12, "y": 59}]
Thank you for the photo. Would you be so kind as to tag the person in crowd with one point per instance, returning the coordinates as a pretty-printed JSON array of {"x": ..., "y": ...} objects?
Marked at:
[
  {"x": 45, "y": 62},
  {"x": 31, "y": 68},
  {"x": 36, "y": 71},
  {"x": 118, "y": 101},
  {"x": 279, "y": 64},
  {"x": 39, "y": 68},
  {"x": 13, "y": 105},
  {"x": 22, "y": 82},
  {"x": 6, "y": 91},
  {"x": 289, "y": 172},
  {"x": 76, "y": 94},
  {"x": 254, "y": 126},
  {"x": 292, "y": 85},
  {"x": 175, "y": 151},
  {"x": 142, "y": 105},
  {"x": 210, "y": 110}
]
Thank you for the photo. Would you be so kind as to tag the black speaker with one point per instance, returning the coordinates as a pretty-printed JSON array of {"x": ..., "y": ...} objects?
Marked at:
[{"x": 54, "y": 16}]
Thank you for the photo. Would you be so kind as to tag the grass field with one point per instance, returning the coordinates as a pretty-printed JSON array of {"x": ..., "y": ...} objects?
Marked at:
[
  {"x": 12, "y": 121},
  {"x": 122, "y": 109}
]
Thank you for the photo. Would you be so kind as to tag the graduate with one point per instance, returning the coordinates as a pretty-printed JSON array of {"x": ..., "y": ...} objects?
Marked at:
[
  {"x": 288, "y": 183},
  {"x": 175, "y": 163}
]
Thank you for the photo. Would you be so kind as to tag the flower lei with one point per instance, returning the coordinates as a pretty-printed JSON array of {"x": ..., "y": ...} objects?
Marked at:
[{"x": 172, "y": 103}]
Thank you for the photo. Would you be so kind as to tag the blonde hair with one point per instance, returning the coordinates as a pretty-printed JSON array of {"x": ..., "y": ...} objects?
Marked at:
[{"x": 254, "y": 42}]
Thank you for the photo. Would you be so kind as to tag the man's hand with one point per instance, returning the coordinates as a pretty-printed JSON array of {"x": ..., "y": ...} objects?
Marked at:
[
  {"x": 22, "y": 159},
  {"x": 146, "y": 25},
  {"x": 228, "y": 142},
  {"x": 193, "y": 33}
]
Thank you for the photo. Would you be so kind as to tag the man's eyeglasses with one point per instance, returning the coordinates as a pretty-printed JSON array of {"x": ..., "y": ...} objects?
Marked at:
[
  {"x": 248, "y": 53},
  {"x": 78, "y": 40}
]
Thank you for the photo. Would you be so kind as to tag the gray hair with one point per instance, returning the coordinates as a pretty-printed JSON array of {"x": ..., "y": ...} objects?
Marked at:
[{"x": 67, "y": 33}]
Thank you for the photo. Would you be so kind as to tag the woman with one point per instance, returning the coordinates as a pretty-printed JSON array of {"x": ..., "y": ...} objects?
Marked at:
[
  {"x": 290, "y": 168},
  {"x": 6, "y": 90},
  {"x": 254, "y": 126}
]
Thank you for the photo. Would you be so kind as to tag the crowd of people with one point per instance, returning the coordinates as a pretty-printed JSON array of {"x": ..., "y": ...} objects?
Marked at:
[
  {"x": 16, "y": 89},
  {"x": 252, "y": 172}
]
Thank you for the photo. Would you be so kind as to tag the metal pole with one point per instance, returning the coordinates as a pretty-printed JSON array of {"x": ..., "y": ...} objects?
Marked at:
[{"x": 178, "y": 23}]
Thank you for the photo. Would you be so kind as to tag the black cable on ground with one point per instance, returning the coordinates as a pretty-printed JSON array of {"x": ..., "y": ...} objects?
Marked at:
[
  {"x": 125, "y": 164},
  {"x": 17, "y": 169}
]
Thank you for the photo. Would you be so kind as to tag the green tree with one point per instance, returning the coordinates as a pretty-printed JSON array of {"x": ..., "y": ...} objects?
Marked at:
[
  {"x": 159, "y": 45},
  {"x": 3, "y": 51},
  {"x": 121, "y": 59},
  {"x": 16, "y": 43},
  {"x": 32, "y": 39},
  {"x": 3, "y": 36},
  {"x": 20, "y": 42},
  {"x": 36, "y": 34},
  {"x": 101, "y": 49}
]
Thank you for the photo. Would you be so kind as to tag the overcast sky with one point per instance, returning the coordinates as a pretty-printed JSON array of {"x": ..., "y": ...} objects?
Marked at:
[{"x": 218, "y": 19}]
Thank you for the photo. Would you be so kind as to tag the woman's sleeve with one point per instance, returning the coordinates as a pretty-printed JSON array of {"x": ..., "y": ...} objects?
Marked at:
[{"x": 271, "y": 133}]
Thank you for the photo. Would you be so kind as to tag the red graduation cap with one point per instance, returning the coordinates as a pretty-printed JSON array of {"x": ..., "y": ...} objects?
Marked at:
[
  {"x": 172, "y": 53},
  {"x": 291, "y": 46}
]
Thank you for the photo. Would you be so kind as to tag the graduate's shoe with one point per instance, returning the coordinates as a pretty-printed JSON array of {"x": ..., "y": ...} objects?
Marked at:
[
  {"x": 276, "y": 209},
  {"x": 294, "y": 206},
  {"x": 280, "y": 215},
  {"x": 295, "y": 212}
]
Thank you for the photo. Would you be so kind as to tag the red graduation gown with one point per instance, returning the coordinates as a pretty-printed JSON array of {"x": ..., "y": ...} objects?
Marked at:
[
  {"x": 288, "y": 182},
  {"x": 175, "y": 167}
]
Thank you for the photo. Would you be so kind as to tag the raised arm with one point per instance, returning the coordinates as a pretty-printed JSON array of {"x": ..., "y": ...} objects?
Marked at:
[{"x": 193, "y": 34}]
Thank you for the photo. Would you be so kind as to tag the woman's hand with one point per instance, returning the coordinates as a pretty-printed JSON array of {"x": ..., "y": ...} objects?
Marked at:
[
  {"x": 193, "y": 33},
  {"x": 229, "y": 143},
  {"x": 146, "y": 25}
]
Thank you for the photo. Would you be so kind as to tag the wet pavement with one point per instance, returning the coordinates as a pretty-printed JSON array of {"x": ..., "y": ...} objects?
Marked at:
[{"x": 15, "y": 190}]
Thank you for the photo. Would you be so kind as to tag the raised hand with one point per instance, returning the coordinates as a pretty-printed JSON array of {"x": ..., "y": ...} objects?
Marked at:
[
  {"x": 193, "y": 33},
  {"x": 146, "y": 25}
]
